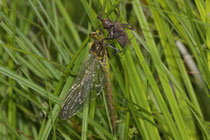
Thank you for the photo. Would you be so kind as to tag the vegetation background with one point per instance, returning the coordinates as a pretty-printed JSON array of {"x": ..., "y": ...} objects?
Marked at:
[{"x": 160, "y": 83}]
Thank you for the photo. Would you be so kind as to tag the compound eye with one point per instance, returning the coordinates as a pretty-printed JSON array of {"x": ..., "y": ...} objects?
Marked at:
[{"x": 93, "y": 35}]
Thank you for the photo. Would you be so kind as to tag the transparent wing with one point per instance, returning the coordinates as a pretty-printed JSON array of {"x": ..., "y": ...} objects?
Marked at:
[{"x": 91, "y": 76}]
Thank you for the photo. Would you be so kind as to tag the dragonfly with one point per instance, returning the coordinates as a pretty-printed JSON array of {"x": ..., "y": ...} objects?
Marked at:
[{"x": 93, "y": 75}]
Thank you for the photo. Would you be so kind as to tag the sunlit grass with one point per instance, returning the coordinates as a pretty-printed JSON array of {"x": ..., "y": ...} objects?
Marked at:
[{"x": 160, "y": 82}]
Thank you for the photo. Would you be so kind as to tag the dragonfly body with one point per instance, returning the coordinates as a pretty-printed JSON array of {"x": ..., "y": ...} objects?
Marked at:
[{"x": 91, "y": 77}]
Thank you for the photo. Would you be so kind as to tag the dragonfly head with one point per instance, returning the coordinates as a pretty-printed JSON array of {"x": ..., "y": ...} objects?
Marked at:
[{"x": 97, "y": 35}]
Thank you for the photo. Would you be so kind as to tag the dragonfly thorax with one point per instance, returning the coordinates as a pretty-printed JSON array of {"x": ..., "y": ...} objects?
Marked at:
[{"x": 98, "y": 48}]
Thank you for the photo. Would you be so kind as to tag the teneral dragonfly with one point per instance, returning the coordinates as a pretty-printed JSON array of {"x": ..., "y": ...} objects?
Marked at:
[{"x": 90, "y": 77}]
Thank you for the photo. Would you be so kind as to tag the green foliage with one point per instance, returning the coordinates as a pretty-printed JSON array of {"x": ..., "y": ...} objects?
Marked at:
[{"x": 160, "y": 82}]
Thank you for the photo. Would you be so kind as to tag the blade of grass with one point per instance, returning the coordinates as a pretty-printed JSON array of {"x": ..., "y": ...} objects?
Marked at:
[{"x": 29, "y": 84}]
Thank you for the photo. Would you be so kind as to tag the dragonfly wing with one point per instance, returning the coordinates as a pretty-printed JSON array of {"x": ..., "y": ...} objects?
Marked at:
[
  {"x": 86, "y": 80},
  {"x": 99, "y": 81}
]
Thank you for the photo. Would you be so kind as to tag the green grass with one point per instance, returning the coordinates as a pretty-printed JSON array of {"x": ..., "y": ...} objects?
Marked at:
[{"x": 159, "y": 92}]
